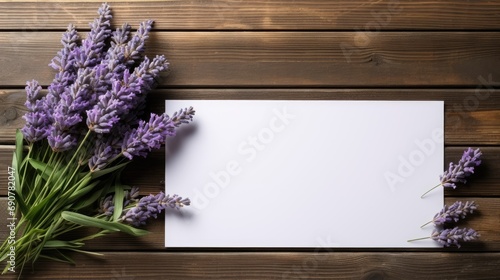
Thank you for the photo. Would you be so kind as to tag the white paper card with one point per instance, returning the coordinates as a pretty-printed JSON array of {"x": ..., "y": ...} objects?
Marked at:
[{"x": 305, "y": 173}]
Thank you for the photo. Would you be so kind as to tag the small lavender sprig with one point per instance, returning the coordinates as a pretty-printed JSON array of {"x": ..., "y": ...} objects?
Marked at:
[
  {"x": 107, "y": 206},
  {"x": 455, "y": 212},
  {"x": 448, "y": 237},
  {"x": 457, "y": 173},
  {"x": 91, "y": 51},
  {"x": 38, "y": 117},
  {"x": 152, "y": 205},
  {"x": 151, "y": 135},
  {"x": 63, "y": 62}
]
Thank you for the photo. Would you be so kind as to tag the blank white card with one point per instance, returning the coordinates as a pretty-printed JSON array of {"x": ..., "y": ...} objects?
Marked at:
[{"x": 305, "y": 173}]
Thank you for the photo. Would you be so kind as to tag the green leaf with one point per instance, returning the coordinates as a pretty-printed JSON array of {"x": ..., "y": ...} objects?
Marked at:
[
  {"x": 83, "y": 191},
  {"x": 17, "y": 159},
  {"x": 98, "y": 223},
  {"x": 81, "y": 204},
  {"x": 118, "y": 201},
  {"x": 105, "y": 171},
  {"x": 44, "y": 169},
  {"x": 19, "y": 145},
  {"x": 60, "y": 244},
  {"x": 61, "y": 258},
  {"x": 37, "y": 210}
]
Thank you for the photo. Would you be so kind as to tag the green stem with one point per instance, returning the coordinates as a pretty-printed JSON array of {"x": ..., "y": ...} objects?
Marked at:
[
  {"x": 430, "y": 190},
  {"x": 74, "y": 156},
  {"x": 426, "y": 223},
  {"x": 422, "y": 238}
]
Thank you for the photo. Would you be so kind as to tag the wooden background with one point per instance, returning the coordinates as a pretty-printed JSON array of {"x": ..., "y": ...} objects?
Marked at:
[{"x": 318, "y": 49}]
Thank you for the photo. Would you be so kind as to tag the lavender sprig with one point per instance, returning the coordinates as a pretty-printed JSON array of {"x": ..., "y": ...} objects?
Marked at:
[
  {"x": 457, "y": 173},
  {"x": 151, "y": 135},
  {"x": 91, "y": 51},
  {"x": 38, "y": 118},
  {"x": 455, "y": 212},
  {"x": 126, "y": 94},
  {"x": 64, "y": 64},
  {"x": 107, "y": 205},
  {"x": 448, "y": 237},
  {"x": 152, "y": 205}
]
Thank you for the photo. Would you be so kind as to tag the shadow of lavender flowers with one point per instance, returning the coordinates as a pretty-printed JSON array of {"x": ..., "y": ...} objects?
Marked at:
[{"x": 173, "y": 146}]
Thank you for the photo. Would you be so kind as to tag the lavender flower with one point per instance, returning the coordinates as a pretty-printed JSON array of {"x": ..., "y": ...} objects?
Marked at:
[
  {"x": 151, "y": 205},
  {"x": 91, "y": 51},
  {"x": 135, "y": 47},
  {"x": 465, "y": 167},
  {"x": 126, "y": 94},
  {"x": 152, "y": 134},
  {"x": 131, "y": 196},
  {"x": 457, "y": 173},
  {"x": 448, "y": 237},
  {"x": 102, "y": 155},
  {"x": 38, "y": 117},
  {"x": 107, "y": 206},
  {"x": 64, "y": 64},
  {"x": 455, "y": 212}
]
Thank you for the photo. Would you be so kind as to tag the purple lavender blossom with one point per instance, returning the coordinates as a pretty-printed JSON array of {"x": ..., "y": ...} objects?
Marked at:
[
  {"x": 457, "y": 173},
  {"x": 37, "y": 118},
  {"x": 152, "y": 205},
  {"x": 453, "y": 213},
  {"x": 448, "y": 237},
  {"x": 91, "y": 51},
  {"x": 126, "y": 94},
  {"x": 103, "y": 153},
  {"x": 64, "y": 64},
  {"x": 131, "y": 196},
  {"x": 107, "y": 206},
  {"x": 152, "y": 134},
  {"x": 135, "y": 47}
]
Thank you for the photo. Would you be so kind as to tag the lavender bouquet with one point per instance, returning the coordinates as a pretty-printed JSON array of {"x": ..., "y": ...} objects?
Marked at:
[{"x": 80, "y": 137}]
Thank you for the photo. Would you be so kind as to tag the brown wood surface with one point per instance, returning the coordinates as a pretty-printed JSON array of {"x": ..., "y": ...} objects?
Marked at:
[
  {"x": 264, "y": 14},
  {"x": 288, "y": 59},
  {"x": 290, "y": 265},
  {"x": 318, "y": 49}
]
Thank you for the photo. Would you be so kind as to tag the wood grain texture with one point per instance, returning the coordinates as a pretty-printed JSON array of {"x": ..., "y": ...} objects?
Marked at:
[
  {"x": 149, "y": 173},
  {"x": 289, "y": 59},
  {"x": 472, "y": 117},
  {"x": 320, "y": 265},
  {"x": 485, "y": 221},
  {"x": 261, "y": 15}
]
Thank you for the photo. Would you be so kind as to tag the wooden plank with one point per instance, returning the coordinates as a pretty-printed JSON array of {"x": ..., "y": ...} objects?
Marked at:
[
  {"x": 471, "y": 116},
  {"x": 270, "y": 59},
  {"x": 277, "y": 15},
  {"x": 320, "y": 265}
]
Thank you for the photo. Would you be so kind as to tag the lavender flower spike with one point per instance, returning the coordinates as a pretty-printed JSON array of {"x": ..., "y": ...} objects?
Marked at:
[
  {"x": 448, "y": 237},
  {"x": 457, "y": 173},
  {"x": 455, "y": 212},
  {"x": 151, "y": 205},
  {"x": 38, "y": 118},
  {"x": 151, "y": 135}
]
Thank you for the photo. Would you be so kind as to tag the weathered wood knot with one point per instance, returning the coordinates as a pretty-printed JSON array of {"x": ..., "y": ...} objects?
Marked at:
[
  {"x": 376, "y": 59},
  {"x": 7, "y": 115},
  {"x": 374, "y": 275}
]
